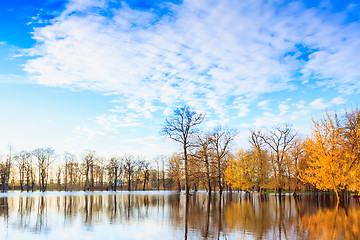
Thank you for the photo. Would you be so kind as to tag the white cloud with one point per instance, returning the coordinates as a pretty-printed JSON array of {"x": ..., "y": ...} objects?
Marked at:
[
  {"x": 300, "y": 104},
  {"x": 264, "y": 105},
  {"x": 283, "y": 108},
  {"x": 215, "y": 123},
  {"x": 319, "y": 103},
  {"x": 245, "y": 125},
  {"x": 338, "y": 101},
  {"x": 196, "y": 54}
]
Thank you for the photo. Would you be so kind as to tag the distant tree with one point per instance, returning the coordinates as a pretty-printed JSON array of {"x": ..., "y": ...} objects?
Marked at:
[
  {"x": 175, "y": 169},
  {"x": 22, "y": 159},
  {"x": 141, "y": 167},
  {"x": 101, "y": 171},
  {"x": 72, "y": 171},
  {"x": 181, "y": 127},
  {"x": 44, "y": 157},
  {"x": 129, "y": 168},
  {"x": 3, "y": 176},
  {"x": 146, "y": 173},
  {"x": 5, "y": 170},
  {"x": 30, "y": 175},
  {"x": 88, "y": 163},
  {"x": 58, "y": 176},
  {"x": 114, "y": 168},
  {"x": 69, "y": 159},
  {"x": 157, "y": 161}
]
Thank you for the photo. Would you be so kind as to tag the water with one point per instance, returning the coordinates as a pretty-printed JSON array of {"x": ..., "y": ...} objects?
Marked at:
[{"x": 167, "y": 215}]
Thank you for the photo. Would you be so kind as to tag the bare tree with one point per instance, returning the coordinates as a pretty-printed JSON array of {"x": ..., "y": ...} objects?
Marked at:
[
  {"x": 4, "y": 174},
  {"x": 180, "y": 127},
  {"x": 69, "y": 158},
  {"x": 88, "y": 163},
  {"x": 101, "y": 171},
  {"x": 71, "y": 171},
  {"x": 163, "y": 160},
  {"x": 204, "y": 155},
  {"x": 146, "y": 172},
  {"x": 22, "y": 160},
  {"x": 175, "y": 168},
  {"x": 30, "y": 175},
  {"x": 141, "y": 166},
  {"x": 296, "y": 162},
  {"x": 220, "y": 141},
  {"x": 157, "y": 161},
  {"x": 279, "y": 140},
  {"x": 261, "y": 164},
  {"x": 44, "y": 156},
  {"x": 129, "y": 168},
  {"x": 114, "y": 168},
  {"x": 5, "y": 169},
  {"x": 58, "y": 176}
]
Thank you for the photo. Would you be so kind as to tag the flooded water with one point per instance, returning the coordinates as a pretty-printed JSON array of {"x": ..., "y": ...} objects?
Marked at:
[{"x": 167, "y": 215}]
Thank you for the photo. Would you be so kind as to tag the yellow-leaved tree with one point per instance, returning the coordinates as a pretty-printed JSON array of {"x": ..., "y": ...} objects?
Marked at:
[
  {"x": 239, "y": 171},
  {"x": 331, "y": 162},
  {"x": 352, "y": 148}
]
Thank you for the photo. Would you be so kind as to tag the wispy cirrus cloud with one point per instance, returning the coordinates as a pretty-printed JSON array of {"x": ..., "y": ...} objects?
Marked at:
[{"x": 195, "y": 53}]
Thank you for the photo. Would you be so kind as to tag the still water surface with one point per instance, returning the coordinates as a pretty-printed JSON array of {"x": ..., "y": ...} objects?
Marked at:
[{"x": 167, "y": 215}]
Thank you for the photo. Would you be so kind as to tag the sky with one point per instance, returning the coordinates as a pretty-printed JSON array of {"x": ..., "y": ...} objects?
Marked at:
[{"x": 104, "y": 75}]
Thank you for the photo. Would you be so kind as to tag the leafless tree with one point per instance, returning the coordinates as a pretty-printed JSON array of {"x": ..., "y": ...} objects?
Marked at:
[
  {"x": 22, "y": 159},
  {"x": 141, "y": 165},
  {"x": 58, "y": 176},
  {"x": 261, "y": 164},
  {"x": 146, "y": 173},
  {"x": 44, "y": 157},
  {"x": 175, "y": 168},
  {"x": 88, "y": 163},
  {"x": 220, "y": 141},
  {"x": 129, "y": 168},
  {"x": 204, "y": 156},
  {"x": 101, "y": 171},
  {"x": 279, "y": 140},
  {"x": 157, "y": 161},
  {"x": 69, "y": 159},
  {"x": 114, "y": 169},
  {"x": 3, "y": 176},
  {"x": 181, "y": 127}
]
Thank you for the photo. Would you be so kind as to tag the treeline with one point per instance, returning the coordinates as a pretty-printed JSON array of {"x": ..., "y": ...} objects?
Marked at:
[
  {"x": 278, "y": 160},
  {"x": 42, "y": 170}
]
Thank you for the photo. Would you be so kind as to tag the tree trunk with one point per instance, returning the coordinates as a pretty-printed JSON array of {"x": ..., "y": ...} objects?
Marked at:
[
  {"x": 129, "y": 182},
  {"x": 144, "y": 182},
  {"x": 115, "y": 180},
  {"x": 186, "y": 171},
  {"x": 219, "y": 180},
  {"x": 86, "y": 179}
]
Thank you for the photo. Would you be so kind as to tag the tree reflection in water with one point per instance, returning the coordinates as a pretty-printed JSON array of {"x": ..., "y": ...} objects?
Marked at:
[{"x": 230, "y": 216}]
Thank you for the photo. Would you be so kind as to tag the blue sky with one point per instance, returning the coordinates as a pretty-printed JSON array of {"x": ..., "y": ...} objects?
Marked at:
[{"x": 104, "y": 74}]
